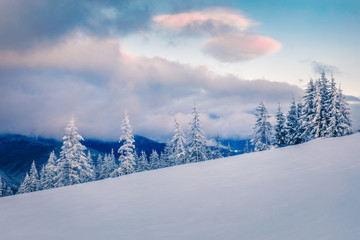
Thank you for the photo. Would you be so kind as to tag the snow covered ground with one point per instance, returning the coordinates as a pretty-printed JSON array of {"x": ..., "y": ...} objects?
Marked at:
[{"x": 308, "y": 191}]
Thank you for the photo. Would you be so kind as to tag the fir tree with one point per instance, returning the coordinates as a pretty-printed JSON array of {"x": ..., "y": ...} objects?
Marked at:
[
  {"x": 8, "y": 190},
  {"x": 48, "y": 173},
  {"x": 246, "y": 148},
  {"x": 228, "y": 151},
  {"x": 209, "y": 153},
  {"x": 280, "y": 136},
  {"x": 319, "y": 122},
  {"x": 293, "y": 125},
  {"x": 110, "y": 163},
  {"x": 25, "y": 185},
  {"x": 137, "y": 159},
  {"x": 73, "y": 166},
  {"x": 4, "y": 190},
  {"x": 143, "y": 164},
  {"x": 126, "y": 159},
  {"x": 345, "y": 122},
  {"x": 300, "y": 132},
  {"x": 217, "y": 150},
  {"x": 197, "y": 142},
  {"x": 34, "y": 178},
  {"x": 308, "y": 111},
  {"x": 91, "y": 175},
  {"x": 332, "y": 129},
  {"x": 262, "y": 129},
  {"x": 100, "y": 167},
  {"x": 165, "y": 158},
  {"x": 178, "y": 155},
  {"x": 154, "y": 160},
  {"x": 42, "y": 178}
]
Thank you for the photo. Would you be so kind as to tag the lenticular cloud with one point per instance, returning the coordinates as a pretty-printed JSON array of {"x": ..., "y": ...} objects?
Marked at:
[
  {"x": 212, "y": 21},
  {"x": 229, "y": 42},
  {"x": 238, "y": 47}
]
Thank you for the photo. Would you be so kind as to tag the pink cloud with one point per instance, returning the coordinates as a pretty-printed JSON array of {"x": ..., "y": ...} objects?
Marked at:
[
  {"x": 233, "y": 47},
  {"x": 229, "y": 42},
  {"x": 211, "y": 21}
]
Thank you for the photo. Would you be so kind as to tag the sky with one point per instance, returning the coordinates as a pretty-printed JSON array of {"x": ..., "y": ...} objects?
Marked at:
[{"x": 93, "y": 60}]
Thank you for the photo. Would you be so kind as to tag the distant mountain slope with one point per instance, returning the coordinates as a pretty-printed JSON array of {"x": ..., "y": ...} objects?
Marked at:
[
  {"x": 17, "y": 152},
  {"x": 141, "y": 144},
  {"x": 308, "y": 191}
]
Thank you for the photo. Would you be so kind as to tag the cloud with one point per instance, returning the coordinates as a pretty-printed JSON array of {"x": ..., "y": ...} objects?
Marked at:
[
  {"x": 214, "y": 21},
  {"x": 95, "y": 80},
  {"x": 24, "y": 24},
  {"x": 229, "y": 41},
  {"x": 73, "y": 52},
  {"x": 234, "y": 47},
  {"x": 319, "y": 67}
]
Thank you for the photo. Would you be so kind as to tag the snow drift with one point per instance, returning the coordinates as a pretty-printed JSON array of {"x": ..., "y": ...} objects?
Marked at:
[{"x": 308, "y": 191}]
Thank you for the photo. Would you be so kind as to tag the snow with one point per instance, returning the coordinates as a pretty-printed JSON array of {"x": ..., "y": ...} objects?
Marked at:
[{"x": 307, "y": 191}]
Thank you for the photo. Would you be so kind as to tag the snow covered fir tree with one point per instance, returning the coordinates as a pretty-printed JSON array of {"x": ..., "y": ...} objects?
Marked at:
[
  {"x": 261, "y": 138},
  {"x": 127, "y": 158},
  {"x": 197, "y": 141},
  {"x": 73, "y": 166}
]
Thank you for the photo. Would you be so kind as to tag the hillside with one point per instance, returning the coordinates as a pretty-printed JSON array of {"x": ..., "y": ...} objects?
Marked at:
[{"x": 308, "y": 191}]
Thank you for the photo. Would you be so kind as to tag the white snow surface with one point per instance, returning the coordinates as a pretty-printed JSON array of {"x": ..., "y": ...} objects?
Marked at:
[{"x": 308, "y": 191}]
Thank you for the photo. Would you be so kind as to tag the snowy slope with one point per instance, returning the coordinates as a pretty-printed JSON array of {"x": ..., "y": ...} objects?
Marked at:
[{"x": 309, "y": 191}]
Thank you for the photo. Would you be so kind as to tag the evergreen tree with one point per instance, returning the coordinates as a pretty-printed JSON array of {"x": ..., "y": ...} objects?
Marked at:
[
  {"x": 332, "y": 129},
  {"x": 6, "y": 191},
  {"x": 308, "y": 111},
  {"x": 100, "y": 167},
  {"x": 197, "y": 142},
  {"x": 42, "y": 177},
  {"x": 48, "y": 173},
  {"x": 262, "y": 129},
  {"x": 293, "y": 125},
  {"x": 178, "y": 155},
  {"x": 137, "y": 159},
  {"x": 165, "y": 158},
  {"x": 143, "y": 164},
  {"x": 34, "y": 178},
  {"x": 73, "y": 166},
  {"x": 209, "y": 153},
  {"x": 126, "y": 159},
  {"x": 154, "y": 160},
  {"x": 246, "y": 148},
  {"x": 91, "y": 176},
  {"x": 280, "y": 136},
  {"x": 25, "y": 186},
  {"x": 217, "y": 151},
  {"x": 319, "y": 122},
  {"x": 228, "y": 152},
  {"x": 110, "y": 163},
  {"x": 300, "y": 132},
  {"x": 345, "y": 122}
]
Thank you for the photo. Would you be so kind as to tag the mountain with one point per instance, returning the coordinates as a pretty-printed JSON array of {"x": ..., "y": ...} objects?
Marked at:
[
  {"x": 307, "y": 191},
  {"x": 17, "y": 152},
  {"x": 141, "y": 144}
]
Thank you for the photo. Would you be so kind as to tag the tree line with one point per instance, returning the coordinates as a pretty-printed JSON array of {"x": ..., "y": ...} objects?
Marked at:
[
  {"x": 324, "y": 113},
  {"x": 74, "y": 165}
]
